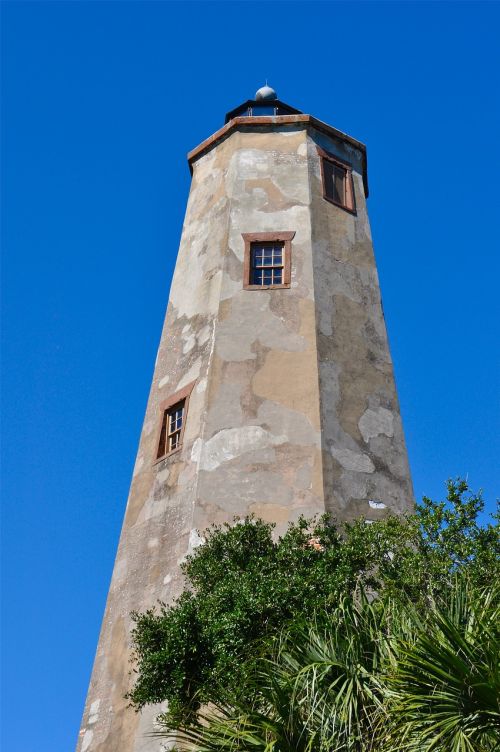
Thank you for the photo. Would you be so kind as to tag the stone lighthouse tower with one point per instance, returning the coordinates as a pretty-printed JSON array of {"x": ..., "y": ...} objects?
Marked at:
[{"x": 273, "y": 391}]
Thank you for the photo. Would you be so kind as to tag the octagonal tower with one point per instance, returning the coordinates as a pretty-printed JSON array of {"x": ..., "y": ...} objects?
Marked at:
[{"x": 273, "y": 391}]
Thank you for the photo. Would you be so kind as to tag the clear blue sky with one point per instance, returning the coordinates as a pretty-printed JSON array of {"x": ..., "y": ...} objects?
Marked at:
[{"x": 101, "y": 102}]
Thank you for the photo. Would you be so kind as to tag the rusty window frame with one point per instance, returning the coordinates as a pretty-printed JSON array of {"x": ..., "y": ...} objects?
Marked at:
[
  {"x": 171, "y": 429},
  {"x": 169, "y": 439},
  {"x": 253, "y": 239},
  {"x": 349, "y": 202}
]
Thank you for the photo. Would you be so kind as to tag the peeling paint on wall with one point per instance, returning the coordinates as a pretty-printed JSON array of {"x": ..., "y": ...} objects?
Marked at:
[
  {"x": 294, "y": 410},
  {"x": 355, "y": 461},
  {"x": 231, "y": 443},
  {"x": 375, "y": 422}
]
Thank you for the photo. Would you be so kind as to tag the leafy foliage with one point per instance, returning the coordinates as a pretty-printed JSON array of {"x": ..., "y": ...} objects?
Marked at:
[
  {"x": 443, "y": 690},
  {"x": 379, "y": 677},
  {"x": 245, "y": 588}
]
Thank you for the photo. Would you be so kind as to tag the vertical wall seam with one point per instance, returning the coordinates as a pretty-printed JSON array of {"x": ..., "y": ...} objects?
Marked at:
[{"x": 321, "y": 432}]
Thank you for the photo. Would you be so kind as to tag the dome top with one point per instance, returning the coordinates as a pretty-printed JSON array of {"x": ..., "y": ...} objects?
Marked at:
[{"x": 265, "y": 92}]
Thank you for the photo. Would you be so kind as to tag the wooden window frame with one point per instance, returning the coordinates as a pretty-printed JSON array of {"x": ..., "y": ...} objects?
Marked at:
[
  {"x": 268, "y": 237},
  {"x": 182, "y": 395},
  {"x": 350, "y": 199}
]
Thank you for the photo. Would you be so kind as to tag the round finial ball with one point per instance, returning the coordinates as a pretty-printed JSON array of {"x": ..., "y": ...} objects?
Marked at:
[{"x": 265, "y": 92}]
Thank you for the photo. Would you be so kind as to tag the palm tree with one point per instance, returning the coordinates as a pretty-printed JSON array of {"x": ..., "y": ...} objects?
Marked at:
[
  {"x": 443, "y": 690},
  {"x": 319, "y": 691},
  {"x": 379, "y": 677}
]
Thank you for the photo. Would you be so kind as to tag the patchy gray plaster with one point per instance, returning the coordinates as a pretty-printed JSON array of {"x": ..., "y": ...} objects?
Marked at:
[
  {"x": 252, "y": 319},
  {"x": 87, "y": 740},
  {"x": 263, "y": 486},
  {"x": 189, "y": 343},
  {"x": 201, "y": 386},
  {"x": 377, "y": 504},
  {"x": 203, "y": 335},
  {"x": 230, "y": 443},
  {"x": 226, "y": 410},
  {"x": 350, "y": 460},
  {"x": 94, "y": 712},
  {"x": 163, "y": 475},
  {"x": 292, "y": 424},
  {"x": 374, "y": 422},
  {"x": 191, "y": 375},
  {"x": 164, "y": 381},
  {"x": 195, "y": 540}
]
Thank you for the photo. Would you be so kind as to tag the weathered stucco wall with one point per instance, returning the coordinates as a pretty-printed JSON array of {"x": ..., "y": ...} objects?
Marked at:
[
  {"x": 260, "y": 448},
  {"x": 365, "y": 464},
  {"x": 294, "y": 409}
]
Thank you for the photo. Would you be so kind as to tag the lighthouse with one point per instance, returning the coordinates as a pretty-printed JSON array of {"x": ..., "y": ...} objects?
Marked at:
[{"x": 273, "y": 392}]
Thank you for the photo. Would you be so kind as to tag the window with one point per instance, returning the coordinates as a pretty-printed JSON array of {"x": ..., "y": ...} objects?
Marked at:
[
  {"x": 173, "y": 421},
  {"x": 171, "y": 429},
  {"x": 267, "y": 262},
  {"x": 337, "y": 181},
  {"x": 263, "y": 109},
  {"x": 260, "y": 109}
]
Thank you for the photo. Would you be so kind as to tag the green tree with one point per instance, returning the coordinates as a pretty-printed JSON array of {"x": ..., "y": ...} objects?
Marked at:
[
  {"x": 443, "y": 689},
  {"x": 244, "y": 588},
  {"x": 379, "y": 676}
]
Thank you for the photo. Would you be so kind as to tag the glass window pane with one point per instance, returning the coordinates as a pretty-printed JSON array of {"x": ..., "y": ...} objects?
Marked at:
[
  {"x": 328, "y": 178},
  {"x": 257, "y": 277},
  {"x": 267, "y": 261},
  {"x": 338, "y": 185},
  {"x": 263, "y": 109},
  {"x": 170, "y": 437},
  {"x": 334, "y": 177}
]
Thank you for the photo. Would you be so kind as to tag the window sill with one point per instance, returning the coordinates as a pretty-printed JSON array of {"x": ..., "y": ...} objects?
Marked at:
[
  {"x": 285, "y": 286},
  {"x": 167, "y": 456},
  {"x": 340, "y": 206}
]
